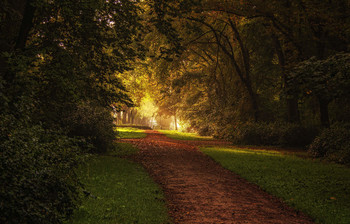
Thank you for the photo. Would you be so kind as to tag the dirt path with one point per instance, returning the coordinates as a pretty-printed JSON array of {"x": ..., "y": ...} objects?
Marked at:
[{"x": 198, "y": 190}]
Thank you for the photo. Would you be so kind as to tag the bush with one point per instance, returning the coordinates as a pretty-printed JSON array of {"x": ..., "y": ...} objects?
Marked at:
[
  {"x": 38, "y": 183},
  {"x": 95, "y": 124},
  {"x": 282, "y": 134},
  {"x": 204, "y": 131},
  {"x": 333, "y": 144}
]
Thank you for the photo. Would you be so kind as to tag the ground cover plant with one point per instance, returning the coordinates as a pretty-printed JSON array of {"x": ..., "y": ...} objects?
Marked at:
[
  {"x": 318, "y": 189},
  {"x": 130, "y": 132},
  {"x": 183, "y": 135}
]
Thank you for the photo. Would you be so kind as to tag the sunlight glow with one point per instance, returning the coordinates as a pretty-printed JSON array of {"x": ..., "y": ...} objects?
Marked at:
[{"x": 148, "y": 108}]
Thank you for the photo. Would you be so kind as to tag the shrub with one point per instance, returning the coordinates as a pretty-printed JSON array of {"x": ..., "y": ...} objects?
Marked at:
[
  {"x": 333, "y": 144},
  {"x": 95, "y": 124},
  {"x": 38, "y": 182},
  {"x": 204, "y": 131},
  {"x": 283, "y": 134}
]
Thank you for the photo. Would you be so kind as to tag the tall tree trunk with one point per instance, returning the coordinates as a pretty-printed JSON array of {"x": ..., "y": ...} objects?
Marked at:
[
  {"x": 243, "y": 73},
  {"x": 27, "y": 24},
  {"x": 119, "y": 117},
  {"x": 245, "y": 76},
  {"x": 133, "y": 114},
  {"x": 292, "y": 101},
  {"x": 124, "y": 117},
  {"x": 175, "y": 121},
  {"x": 254, "y": 102},
  {"x": 324, "y": 115},
  {"x": 129, "y": 116}
]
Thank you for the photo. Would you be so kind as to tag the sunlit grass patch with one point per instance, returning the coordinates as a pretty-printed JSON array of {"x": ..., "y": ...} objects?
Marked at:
[
  {"x": 120, "y": 192},
  {"x": 129, "y": 132},
  {"x": 318, "y": 189},
  {"x": 183, "y": 135}
]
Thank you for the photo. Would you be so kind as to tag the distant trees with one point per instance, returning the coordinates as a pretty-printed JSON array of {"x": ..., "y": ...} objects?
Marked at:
[{"x": 239, "y": 61}]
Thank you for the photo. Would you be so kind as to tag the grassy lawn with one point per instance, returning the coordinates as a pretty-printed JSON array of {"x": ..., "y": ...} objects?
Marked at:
[
  {"x": 123, "y": 149},
  {"x": 318, "y": 189},
  {"x": 129, "y": 132},
  {"x": 184, "y": 136},
  {"x": 121, "y": 192}
]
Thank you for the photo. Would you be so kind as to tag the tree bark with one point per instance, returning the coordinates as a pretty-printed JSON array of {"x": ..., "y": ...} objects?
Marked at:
[
  {"x": 26, "y": 25},
  {"x": 243, "y": 73},
  {"x": 292, "y": 102},
  {"x": 175, "y": 121},
  {"x": 124, "y": 117}
]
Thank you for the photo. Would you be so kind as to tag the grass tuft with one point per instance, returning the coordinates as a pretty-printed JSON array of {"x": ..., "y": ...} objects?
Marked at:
[
  {"x": 129, "y": 132},
  {"x": 184, "y": 136},
  {"x": 318, "y": 189}
]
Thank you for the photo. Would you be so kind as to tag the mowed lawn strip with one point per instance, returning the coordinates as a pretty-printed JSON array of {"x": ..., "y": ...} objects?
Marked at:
[
  {"x": 120, "y": 191},
  {"x": 184, "y": 136},
  {"x": 318, "y": 189},
  {"x": 130, "y": 132}
]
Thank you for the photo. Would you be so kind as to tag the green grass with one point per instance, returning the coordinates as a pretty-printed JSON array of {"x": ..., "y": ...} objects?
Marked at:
[
  {"x": 123, "y": 149},
  {"x": 183, "y": 135},
  {"x": 129, "y": 132},
  {"x": 320, "y": 190},
  {"x": 121, "y": 192}
]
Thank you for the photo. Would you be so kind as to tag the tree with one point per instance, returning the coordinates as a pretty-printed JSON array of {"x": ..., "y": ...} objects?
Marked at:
[{"x": 326, "y": 79}]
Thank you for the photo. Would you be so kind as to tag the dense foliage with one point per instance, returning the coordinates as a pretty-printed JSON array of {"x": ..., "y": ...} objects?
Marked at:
[
  {"x": 38, "y": 183},
  {"x": 333, "y": 144},
  {"x": 58, "y": 61},
  {"x": 280, "y": 134}
]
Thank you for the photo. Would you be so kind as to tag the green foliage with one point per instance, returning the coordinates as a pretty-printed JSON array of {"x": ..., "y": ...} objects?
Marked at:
[
  {"x": 38, "y": 183},
  {"x": 95, "y": 124},
  {"x": 67, "y": 57},
  {"x": 318, "y": 189},
  {"x": 327, "y": 79},
  {"x": 120, "y": 191},
  {"x": 284, "y": 134},
  {"x": 333, "y": 144}
]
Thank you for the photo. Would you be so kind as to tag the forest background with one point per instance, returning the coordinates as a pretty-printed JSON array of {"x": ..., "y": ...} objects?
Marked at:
[{"x": 253, "y": 72}]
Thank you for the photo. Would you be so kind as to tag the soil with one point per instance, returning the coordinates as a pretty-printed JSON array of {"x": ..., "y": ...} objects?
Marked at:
[{"x": 199, "y": 190}]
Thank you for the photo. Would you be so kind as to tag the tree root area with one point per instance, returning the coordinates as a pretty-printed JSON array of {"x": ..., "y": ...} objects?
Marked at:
[{"x": 199, "y": 190}]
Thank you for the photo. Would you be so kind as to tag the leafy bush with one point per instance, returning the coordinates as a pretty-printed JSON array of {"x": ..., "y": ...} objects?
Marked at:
[
  {"x": 333, "y": 144},
  {"x": 38, "y": 183},
  {"x": 95, "y": 124},
  {"x": 205, "y": 131},
  {"x": 285, "y": 134}
]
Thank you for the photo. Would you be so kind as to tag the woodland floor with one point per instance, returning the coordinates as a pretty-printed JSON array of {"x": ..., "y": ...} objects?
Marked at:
[{"x": 199, "y": 190}]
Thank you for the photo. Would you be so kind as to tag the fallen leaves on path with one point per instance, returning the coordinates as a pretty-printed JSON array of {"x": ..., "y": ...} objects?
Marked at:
[{"x": 198, "y": 190}]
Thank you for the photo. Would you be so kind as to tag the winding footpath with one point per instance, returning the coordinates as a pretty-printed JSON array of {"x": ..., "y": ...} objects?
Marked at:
[{"x": 199, "y": 190}]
